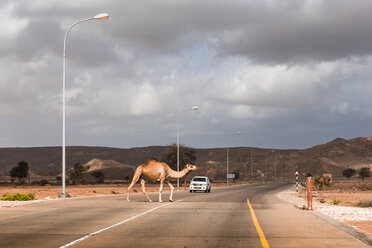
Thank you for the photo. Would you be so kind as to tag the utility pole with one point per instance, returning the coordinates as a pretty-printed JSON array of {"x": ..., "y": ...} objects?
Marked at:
[
  {"x": 258, "y": 144},
  {"x": 251, "y": 167},
  {"x": 267, "y": 158}
]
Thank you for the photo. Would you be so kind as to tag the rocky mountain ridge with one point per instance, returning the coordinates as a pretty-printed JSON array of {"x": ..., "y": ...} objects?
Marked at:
[{"x": 331, "y": 157}]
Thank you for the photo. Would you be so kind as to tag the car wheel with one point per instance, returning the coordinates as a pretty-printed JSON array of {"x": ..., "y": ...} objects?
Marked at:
[
  {"x": 190, "y": 191},
  {"x": 209, "y": 190}
]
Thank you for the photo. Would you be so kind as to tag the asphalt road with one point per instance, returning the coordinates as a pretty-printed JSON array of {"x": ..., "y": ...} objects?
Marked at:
[{"x": 221, "y": 218}]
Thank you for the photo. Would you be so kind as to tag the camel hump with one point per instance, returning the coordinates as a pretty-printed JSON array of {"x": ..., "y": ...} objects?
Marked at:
[{"x": 151, "y": 160}]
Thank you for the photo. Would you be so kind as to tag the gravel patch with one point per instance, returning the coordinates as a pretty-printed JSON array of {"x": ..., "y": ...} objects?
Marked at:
[{"x": 344, "y": 214}]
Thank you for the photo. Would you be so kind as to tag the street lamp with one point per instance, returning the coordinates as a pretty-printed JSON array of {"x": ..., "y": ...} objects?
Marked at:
[
  {"x": 267, "y": 163},
  {"x": 100, "y": 17},
  {"x": 178, "y": 139},
  {"x": 258, "y": 144},
  {"x": 227, "y": 161}
]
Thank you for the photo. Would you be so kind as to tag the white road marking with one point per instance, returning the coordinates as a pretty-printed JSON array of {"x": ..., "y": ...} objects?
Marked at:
[{"x": 115, "y": 225}]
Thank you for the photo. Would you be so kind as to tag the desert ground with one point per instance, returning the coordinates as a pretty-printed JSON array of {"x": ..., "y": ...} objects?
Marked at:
[
  {"x": 347, "y": 192},
  {"x": 50, "y": 192}
]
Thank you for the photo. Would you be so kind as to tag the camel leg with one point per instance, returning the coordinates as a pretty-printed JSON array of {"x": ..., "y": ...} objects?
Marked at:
[
  {"x": 144, "y": 190},
  {"x": 136, "y": 176},
  {"x": 171, "y": 193},
  {"x": 161, "y": 190},
  {"x": 130, "y": 187}
]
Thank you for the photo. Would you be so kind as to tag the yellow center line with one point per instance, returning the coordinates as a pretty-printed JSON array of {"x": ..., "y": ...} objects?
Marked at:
[{"x": 264, "y": 242}]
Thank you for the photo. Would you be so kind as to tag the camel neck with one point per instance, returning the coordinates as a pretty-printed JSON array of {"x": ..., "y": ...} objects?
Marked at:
[{"x": 178, "y": 174}]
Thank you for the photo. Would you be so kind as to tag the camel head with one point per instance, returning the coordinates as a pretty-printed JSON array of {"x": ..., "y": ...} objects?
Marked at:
[{"x": 191, "y": 167}]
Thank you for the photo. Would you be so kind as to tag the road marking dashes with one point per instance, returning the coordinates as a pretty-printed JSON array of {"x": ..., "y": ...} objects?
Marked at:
[{"x": 115, "y": 225}]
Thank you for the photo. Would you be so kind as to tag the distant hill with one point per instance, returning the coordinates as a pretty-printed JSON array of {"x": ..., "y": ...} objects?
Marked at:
[
  {"x": 331, "y": 157},
  {"x": 46, "y": 161},
  {"x": 111, "y": 169},
  {"x": 98, "y": 164}
]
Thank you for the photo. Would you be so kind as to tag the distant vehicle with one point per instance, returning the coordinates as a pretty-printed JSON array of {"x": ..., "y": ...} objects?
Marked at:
[{"x": 200, "y": 183}]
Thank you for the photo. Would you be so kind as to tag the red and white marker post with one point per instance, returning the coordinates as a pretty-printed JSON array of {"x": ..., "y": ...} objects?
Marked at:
[{"x": 309, "y": 194}]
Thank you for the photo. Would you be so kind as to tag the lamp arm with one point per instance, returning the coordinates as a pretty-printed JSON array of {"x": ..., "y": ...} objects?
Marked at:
[{"x": 68, "y": 30}]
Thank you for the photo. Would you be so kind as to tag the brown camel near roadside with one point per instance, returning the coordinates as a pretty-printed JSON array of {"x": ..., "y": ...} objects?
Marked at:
[
  {"x": 154, "y": 170},
  {"x": 328, "y": 177},
  {"x": 325, "y": 179}
]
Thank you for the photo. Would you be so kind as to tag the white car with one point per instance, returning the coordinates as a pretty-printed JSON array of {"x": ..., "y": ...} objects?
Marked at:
[{"x": 200, "y": 183}]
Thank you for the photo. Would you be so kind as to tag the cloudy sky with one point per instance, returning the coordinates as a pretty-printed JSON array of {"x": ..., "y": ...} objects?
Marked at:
[{"x": 287, "y": 74}]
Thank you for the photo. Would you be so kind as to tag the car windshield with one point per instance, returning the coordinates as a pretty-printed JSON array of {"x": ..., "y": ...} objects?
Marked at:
[{"x": 199, "y": 179}]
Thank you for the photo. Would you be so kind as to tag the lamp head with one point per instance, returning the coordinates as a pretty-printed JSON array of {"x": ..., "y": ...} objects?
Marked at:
[
  {"x": 102, "y": 17},
  {"x": 195, "y": 108}
]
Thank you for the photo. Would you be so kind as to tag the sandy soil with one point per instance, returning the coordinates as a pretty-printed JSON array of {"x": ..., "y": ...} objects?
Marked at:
[
  {"x": 50, "y": 192},
  {"x": 346, "y": 198}
]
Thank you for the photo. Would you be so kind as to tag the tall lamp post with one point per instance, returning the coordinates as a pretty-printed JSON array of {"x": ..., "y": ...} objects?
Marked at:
[
  {"x": 267, "y": 163},
  {"x": 100, "y": 17},
  {"x": 178, "y": 139},
  {"x": 258, "y": 144},
  {"x": 227, "y": 161}
]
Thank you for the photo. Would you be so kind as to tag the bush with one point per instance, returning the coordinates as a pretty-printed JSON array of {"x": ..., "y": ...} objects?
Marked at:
[
  {"x": 364, "y": 173},
  {"x": 18, "y": 197},
  {"x": 315, "y": 182},
  {"x": 349, "y": 172},
  {"x": 321, "y": 200},
  {"x": 44, "y": 182},
  {"x": 76, "y": 173},
  {"x": 365, "y": 203},
  {"x": 336, "y": 202},
  {"x": 100, "y": 177},
  {"x": 20, "y": 171},
  {"x": 364, "y": 187}
]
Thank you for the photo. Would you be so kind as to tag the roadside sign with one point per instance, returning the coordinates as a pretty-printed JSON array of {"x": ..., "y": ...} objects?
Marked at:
[
  {"x": 296, "y": 173},
  {"x": 231, "y": 176}
]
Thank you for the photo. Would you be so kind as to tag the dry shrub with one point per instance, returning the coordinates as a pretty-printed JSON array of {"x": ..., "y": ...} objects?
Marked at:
[
  {"x": 365, "y": 186},
  {"x": 365, "y": 203}
]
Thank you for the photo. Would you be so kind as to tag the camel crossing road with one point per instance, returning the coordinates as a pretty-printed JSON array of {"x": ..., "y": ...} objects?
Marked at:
[{"x": 155, "y": 170}]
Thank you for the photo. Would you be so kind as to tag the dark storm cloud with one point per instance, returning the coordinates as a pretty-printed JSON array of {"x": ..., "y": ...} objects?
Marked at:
[
  {"x": 270, "y": 32},
  {"x": 304, "y": 31},
  {"x": 288, "y": 31},
  {"x": 91, "y": 51},
  {"x": 282, "y": 72},
  {"x": 37, "y": 38}
]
